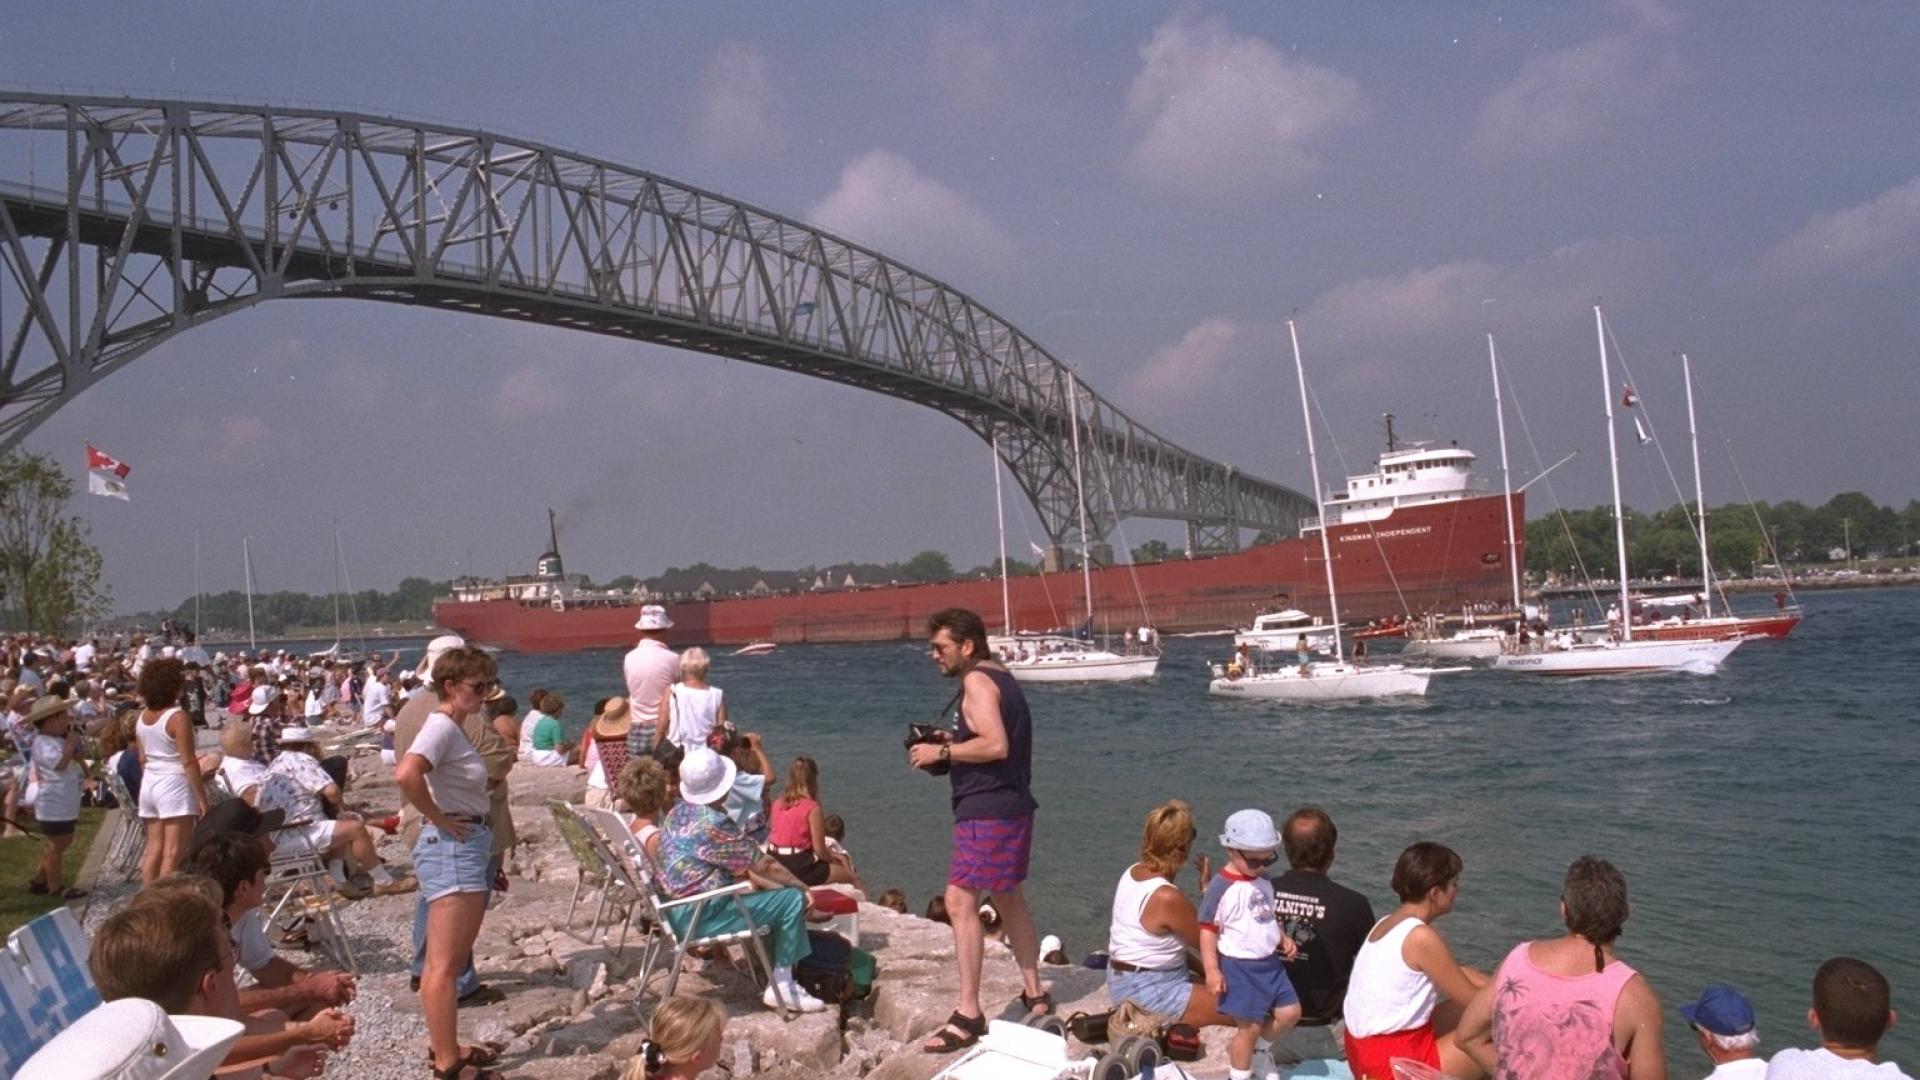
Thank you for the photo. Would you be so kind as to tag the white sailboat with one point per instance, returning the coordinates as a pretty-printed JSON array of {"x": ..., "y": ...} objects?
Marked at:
[
  {"x": 1057, "y": 657},
  {"x": 1481, "y": 642},
  {"x": 1321, "y": 680},
  {"x": 1281, "y": 631},
  {"x": 1571, "y": 659}
]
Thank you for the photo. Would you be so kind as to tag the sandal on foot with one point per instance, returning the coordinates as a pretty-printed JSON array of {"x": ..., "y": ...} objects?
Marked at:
[
  {"x": 464, "y": 1069},
  {"x": 1040, "y": 1004},
  {"x": 72, "y": 893},
  {"x": 960, "y": 1032},
  {"x": 479, "y": 1055}
]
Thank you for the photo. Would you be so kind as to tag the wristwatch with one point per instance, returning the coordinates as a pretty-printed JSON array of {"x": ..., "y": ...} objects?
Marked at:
[{"x": 946, "y": 752}]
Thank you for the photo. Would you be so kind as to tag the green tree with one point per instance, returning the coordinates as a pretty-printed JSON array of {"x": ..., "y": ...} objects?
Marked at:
[
  {"x": 925, "y": 566},
  {"x": 1153, "y": 551},
  {"x": 49, "y": 568}
]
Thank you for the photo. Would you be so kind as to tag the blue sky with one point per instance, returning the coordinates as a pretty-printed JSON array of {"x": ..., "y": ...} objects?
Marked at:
[{"x": 1148, "y": 190}]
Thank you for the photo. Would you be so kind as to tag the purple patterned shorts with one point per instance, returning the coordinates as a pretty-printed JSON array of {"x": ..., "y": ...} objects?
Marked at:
[{"x": 990, "y": 854}]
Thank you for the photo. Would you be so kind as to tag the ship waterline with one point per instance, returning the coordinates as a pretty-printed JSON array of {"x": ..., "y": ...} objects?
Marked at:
[{"x": 1432, "y": 557}]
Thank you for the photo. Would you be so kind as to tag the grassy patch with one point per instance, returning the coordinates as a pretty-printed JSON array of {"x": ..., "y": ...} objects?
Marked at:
[{"x": 19, "y": 855}]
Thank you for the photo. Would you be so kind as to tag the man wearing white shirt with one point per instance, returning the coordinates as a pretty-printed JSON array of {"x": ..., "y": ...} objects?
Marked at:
[
  {"x": 84, "y": 653},
  {"x": 1723, "y": 1022},
  {"x": 376, "y": 701},
  {"x": 1852, "y": 1010}
]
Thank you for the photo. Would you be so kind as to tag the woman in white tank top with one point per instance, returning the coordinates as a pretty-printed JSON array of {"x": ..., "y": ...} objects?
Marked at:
[
  {"x": 1393, "y": 1007},
  {"x": 1154, "y": 924},
  {"x": 172, "y": 793}
]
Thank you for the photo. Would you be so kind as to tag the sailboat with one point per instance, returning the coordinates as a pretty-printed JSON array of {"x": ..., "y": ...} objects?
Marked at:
[
  {"x": 1481, "y": 642},
  {"x": 1710, "y": 626},
  {"x": 1627, "y": 656},
  {"x": 1067, "y": 657},
  {"x": 1322, "y": 680}
]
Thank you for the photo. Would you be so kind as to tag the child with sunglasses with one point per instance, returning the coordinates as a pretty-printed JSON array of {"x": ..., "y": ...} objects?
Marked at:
[{"x": 1241, "y": 945}]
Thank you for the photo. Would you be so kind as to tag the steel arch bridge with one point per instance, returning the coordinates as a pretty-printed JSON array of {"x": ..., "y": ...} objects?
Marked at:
[{"x": 126, "y": 221}]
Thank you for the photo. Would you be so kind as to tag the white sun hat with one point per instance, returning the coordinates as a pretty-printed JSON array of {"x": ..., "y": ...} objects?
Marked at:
[
  {"x": 263, "y": 697},
  {"x": 437, "y": 648},
  {"x": 705, "y": 776},
  {"x": 134, "y": 1039},
  {"x": 1250, "y": 830},
  {"x": 653, "y": 617}
]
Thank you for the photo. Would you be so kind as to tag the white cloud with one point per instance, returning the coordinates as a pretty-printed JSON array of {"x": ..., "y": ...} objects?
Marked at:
[
  {"x": 1872, "y": 239},
  {"x": 1568, "y": 96},
  {"x": 1227, "y": 116},
  {"x": 1205, "y": 353},
  {"x": 883, "y": 202},
  {"x": 1381, "y": 321},
  {"x": 533, "y": 390},
  {"x": 737, "y": 105}
]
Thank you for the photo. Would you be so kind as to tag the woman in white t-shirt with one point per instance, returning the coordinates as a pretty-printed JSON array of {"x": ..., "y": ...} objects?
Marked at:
[
  {"x": 445, "y": 778},
  {"x": 691, "y": 708}
]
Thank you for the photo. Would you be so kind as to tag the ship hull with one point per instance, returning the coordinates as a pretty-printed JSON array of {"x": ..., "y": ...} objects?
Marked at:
[{"x": 1430, "y": 558}]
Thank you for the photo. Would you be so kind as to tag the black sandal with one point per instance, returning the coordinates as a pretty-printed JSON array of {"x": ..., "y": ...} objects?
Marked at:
[
  {"x": 459, "y": 1071},
  {"x": 945, "y": 1041},
  {"x": 1034, "y": 1005},
  {"x": 479, "y": 1055}
]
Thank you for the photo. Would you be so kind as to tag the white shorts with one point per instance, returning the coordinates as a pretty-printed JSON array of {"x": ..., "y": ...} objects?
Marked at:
[
  {"x": 166, "y": 795},
  {"x": 318, "y": 834}
]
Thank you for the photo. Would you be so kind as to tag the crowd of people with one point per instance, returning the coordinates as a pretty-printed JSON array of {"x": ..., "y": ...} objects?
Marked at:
[{"x": 1295, "y": 963}]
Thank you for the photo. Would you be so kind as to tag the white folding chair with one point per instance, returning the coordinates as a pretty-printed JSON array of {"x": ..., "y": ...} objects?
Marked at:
[
  {"x": 298, "y": 878},
  {"x": 686, "y": 936}
]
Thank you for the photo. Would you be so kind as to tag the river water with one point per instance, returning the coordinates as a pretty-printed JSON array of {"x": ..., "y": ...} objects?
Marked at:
[{"x": 1758, "y": 814}]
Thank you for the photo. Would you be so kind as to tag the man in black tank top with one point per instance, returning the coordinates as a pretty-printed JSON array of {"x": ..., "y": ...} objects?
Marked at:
[{"x": 989, "y": 752}]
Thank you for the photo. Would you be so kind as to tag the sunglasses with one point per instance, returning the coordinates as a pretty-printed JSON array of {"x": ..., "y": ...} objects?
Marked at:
[{"x": 479, "y": 686}]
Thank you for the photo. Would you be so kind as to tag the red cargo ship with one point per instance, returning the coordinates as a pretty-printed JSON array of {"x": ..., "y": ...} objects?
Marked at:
[{"x": 1416, "y": 536}]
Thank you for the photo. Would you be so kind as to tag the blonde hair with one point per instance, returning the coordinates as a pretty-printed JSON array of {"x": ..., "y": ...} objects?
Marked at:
[
  {"x": 1167, "y": 837},
  {"x": 236, "y": 740},
  {"x": 695, "y": 662},
  {"x": 683, "y": 1028},
  {"x": 803, "y": 781}
]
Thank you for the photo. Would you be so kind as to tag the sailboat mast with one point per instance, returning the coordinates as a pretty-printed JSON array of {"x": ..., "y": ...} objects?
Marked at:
[
  {"x": 1319, "y": 497},
  {"x": 198, "y": 589},
  {"x": 337, "y": 560},
  {"x": 1613, "y": 459},
  {"x": 246, "y": 563},
  {"x": 1000, "y": 520},
  {"x": 1506, "y": 477},
  {"x": 1080, "y": 497},
  {"x": 1699, "y": 496}
]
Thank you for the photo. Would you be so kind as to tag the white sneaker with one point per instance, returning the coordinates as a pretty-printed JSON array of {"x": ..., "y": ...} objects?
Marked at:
[{"x": 796, "y": 998}]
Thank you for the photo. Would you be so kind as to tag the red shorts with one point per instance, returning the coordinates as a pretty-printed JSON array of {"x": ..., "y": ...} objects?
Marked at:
[{"x": 1371, "y": 1057}]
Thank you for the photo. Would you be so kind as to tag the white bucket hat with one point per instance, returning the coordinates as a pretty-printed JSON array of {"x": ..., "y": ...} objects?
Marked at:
[
  {"x": 296, "y": 733},
  {"x": 437, "y": 648},
  {"x": 705, "y": 776},
  {"x": 1250, "y": 830},
  {"x": 263, "y": 696},
  {"x": 653, "y": 617},
  {"x": 134, "y": 1039}
]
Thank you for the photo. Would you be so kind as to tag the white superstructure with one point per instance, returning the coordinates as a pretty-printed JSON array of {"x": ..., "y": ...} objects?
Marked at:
[{"x": 1405, "y": 476}]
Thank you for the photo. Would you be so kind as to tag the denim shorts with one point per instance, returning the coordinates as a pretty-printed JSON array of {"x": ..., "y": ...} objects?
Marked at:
[
  {"x": 446, "y": 866},
  {"x": 1164, "y": 992}
]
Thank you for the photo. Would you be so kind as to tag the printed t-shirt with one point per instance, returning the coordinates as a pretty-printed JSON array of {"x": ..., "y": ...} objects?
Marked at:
[
  {"x": 1240, "y": 910},
  {"x": 305, "y": 780},
  {"x": 1329, "y": 922}
]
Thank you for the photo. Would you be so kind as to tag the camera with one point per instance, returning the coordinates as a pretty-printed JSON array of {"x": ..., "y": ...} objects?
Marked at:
[{"x": 918, "y": 734}]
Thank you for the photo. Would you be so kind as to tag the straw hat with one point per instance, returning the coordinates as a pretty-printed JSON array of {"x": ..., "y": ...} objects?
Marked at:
[
  {"x": 47, "y": 708},
  {"x": 615, "y": 713}
]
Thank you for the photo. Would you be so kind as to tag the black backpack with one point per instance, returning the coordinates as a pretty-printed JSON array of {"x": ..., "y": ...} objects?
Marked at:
[{"x": 835, "y": 971}]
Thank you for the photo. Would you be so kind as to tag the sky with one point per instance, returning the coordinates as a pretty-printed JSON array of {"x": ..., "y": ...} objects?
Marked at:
[{"x": 1150, "y": 191}]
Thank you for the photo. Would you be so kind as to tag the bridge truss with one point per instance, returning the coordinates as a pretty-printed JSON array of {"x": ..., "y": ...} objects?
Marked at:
[{"x": 126, "y": 221}]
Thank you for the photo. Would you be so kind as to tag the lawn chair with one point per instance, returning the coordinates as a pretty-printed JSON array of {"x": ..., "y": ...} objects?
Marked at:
[
  {"x": 678, "y": 920},
  {"x": 593, "y": 867},
  {"x": 44, "y": 985},
  {"x": 129, "y": 841},
  {"x": 298, "y": 879}
]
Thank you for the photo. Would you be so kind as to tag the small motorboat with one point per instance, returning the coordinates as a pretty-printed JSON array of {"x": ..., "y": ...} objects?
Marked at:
[{"x": 758, "y": 648}]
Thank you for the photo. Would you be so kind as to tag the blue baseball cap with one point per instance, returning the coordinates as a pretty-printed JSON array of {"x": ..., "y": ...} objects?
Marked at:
[{"x": 1721, "y": 1010}]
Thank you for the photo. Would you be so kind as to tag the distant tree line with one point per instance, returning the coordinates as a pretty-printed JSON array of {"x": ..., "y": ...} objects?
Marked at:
[
  {"x": 276, "y": 612},
  {"x": 1737, "y": 536}
]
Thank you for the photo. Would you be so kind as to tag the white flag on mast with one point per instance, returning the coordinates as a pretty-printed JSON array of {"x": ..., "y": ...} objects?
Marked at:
[{"x": 99, "y": 483}]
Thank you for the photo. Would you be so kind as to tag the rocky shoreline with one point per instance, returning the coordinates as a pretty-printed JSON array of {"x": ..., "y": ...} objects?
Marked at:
[{"x": 574, "y": 1009}]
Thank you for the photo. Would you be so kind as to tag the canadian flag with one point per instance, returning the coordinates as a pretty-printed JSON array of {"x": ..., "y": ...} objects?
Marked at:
[
  {"x": 97, "y": 459},
  {"x": 1628, "y": 399}
]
